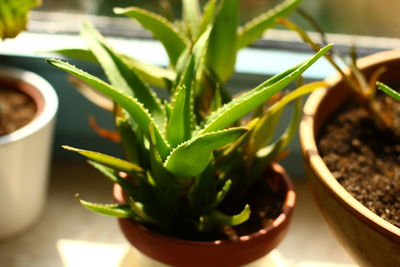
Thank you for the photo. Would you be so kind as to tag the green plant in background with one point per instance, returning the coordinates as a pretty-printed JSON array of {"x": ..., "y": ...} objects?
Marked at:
[
  {"x": 181, "y": 161},
  {"x": 364, "y": 89},
  {"x": 389, "y": 91},
  {"x": 14, "y": 16}
]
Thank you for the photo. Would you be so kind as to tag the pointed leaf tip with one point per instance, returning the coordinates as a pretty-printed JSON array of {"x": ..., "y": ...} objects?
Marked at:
[{"x": 192, "y": 157}]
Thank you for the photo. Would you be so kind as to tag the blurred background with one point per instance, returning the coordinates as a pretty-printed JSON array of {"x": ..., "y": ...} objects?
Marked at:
[{"x": 358, "y": 17}]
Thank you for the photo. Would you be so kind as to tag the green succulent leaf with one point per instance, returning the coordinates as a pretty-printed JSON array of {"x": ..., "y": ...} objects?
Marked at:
[
  {"x": 113, "y": 175},
  {"x": 76, "y": 53},
  {"x": 389, "y": 91},
  {"x": 109, "y": 161},
  {"x": 192, "y": 157},
  {"x": 180, "y": 122},
  {"x": 221, "y": 52},
  {"x": 219, "y": 218},
  {"x": 264, "y": 128},
  {"x": 240, "y": 106},
  {"x": 154, "y": 75},
  {"x": 140, "y": 213},
  {"x": 203, "y": 191},
  {"x": 223, "y": 192},
  {"x": 121, "y": 75},
  {"x": 208, "y": 16},
  {"x": 274, "y": 149},
  {"x": 163, "y": 30},
  {"x": 164, "y": 185},
  {"x": 198, "y": 50},
  {"x": 191, "y": 14},
  {"x": 254, "y": 29},
  {"x": 156, "y": 161},
  {"x": 131, "y": 105},
  {"x": 114, "y": 210},
  {"x": 129, "y": 139}
]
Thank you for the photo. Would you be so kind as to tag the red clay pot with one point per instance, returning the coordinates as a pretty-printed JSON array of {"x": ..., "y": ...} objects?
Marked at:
[{"x": 183, "y": 253}]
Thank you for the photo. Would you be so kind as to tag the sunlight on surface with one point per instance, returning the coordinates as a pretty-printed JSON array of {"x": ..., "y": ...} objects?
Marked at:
[
  {"x": 76, "y": 253},
  {"x": 323, "y": 264}
]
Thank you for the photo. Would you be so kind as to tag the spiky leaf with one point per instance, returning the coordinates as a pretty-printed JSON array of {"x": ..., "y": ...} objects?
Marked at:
[
  {"x": 192, "y": 157},
  {"x": 180, "y": 122},
  {"x": 77, "y": 53},
  {"x": 115, "y": 210},
  {"x": 264, "y": 128},
  {"x": 254, "y": 29},
  {"x": 121, "y": 75},
  {"x": 161, "y": 29},
  {"x": 154, "y": 75},
  {"x": 221, "y": 53},
  {"x": 248, "y": 101},
  {"x": 131, "y": 105},
  {"x": 208, "y": 15},
  {"x": 109, "y": 161},
  {"x": 129, "y": 139}
]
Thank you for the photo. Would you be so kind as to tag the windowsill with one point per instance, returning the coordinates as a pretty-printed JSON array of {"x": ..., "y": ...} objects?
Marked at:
[{"x": 69, "y": 235}]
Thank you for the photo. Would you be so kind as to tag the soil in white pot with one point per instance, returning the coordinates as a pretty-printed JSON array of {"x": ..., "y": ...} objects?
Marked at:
[
  {"x": 16, "y": 110},
  {"x": 365, "y": 159}
]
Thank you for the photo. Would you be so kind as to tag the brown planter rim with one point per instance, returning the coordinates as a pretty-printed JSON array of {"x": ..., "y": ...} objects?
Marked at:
[
  {"x": 277, "y": 228},
  {"x": 310, "y": 150}
]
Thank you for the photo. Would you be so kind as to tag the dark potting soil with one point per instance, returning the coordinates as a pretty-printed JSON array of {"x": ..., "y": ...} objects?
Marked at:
[
  {"x": 265, "y": 199},
  {"x": 16, "y": 110},
  {"x": 364, "y": 159}
]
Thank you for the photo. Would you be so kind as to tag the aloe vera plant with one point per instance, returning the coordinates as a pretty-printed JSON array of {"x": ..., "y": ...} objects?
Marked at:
[
  {"x": 179, "y": 166},
  {"x": 226, "y": 38}
]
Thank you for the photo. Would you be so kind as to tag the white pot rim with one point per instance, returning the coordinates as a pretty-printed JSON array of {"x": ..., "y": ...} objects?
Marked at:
[{"x": 47, "y": 92}]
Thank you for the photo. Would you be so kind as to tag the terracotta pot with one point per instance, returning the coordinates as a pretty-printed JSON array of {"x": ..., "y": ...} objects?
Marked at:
[
  {"x": 25, "y": 155},
  {"x": 369, "y": 239},
  {"x": 182, "y": 253}
]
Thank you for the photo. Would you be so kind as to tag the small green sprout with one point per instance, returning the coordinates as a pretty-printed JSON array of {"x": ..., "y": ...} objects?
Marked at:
[{"x": 389, "y": 91}]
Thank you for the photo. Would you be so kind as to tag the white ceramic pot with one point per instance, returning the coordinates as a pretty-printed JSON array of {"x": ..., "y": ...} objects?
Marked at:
[{"x": 25, "y": 155}]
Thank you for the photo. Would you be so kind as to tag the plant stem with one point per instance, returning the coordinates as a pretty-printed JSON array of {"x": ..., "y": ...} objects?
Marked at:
[{"x": 354, "y": 78}]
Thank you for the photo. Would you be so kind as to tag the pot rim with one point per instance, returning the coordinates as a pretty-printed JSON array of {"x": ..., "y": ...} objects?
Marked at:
[
  {"x": 310, "y": 150},
  {"x": 44, "y": 91},
  {"x": 287, "y": 210}
]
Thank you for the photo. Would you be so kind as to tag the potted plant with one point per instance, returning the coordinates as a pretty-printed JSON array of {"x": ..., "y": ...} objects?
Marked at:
[
  {"x": 198, "y": 182},
  {"x": 349, "y": 133},
  {"x": 28, "y": 105}
]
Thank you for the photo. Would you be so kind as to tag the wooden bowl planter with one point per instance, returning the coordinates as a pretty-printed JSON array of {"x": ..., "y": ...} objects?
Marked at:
[
  {"x": 25, "y": 154},
  {"x": 183, "y": 253},
  {"x": 369, "y": 239}
]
